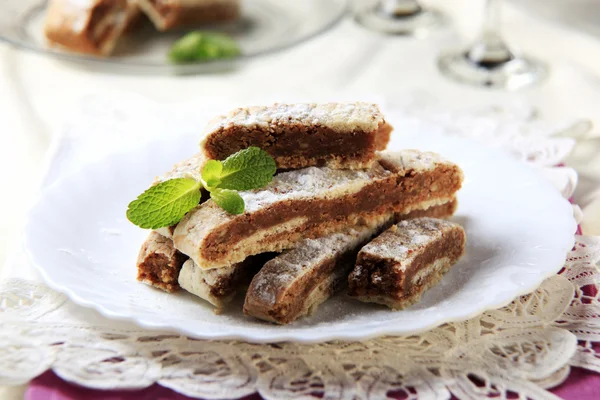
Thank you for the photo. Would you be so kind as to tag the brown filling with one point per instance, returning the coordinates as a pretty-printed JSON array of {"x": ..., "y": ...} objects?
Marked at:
[
  {"x": 176, "y": 15},
  {"x": 160, "y": 7},
  {"x": 288, "y": 142},
  {"x": 441, "y": 211},
  {"x": 102, "y": 11},
  {"x": 385, "y": 195},
  {"x": 382, "y": 137},
  {"x": 294, "y": 299},
  {"x": 101, "y": 30},
  {"x": 161, "y": 270},
  {"x": 241, "y": 276},
  {"x": 371, "y": 277},
  {"x": 383, "y": 277}
]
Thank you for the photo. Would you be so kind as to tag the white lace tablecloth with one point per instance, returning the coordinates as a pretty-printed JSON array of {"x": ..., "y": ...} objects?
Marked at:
[{"x": 523, "y": 348}]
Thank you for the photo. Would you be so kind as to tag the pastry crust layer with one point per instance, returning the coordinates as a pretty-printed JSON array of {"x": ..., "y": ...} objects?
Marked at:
[{"x": 219, "y": 286}]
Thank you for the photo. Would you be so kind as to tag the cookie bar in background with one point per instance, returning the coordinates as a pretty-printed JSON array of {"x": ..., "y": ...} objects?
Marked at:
[
  {"x": 89, "y": 26},
  {"x": 170, "y": 14}
]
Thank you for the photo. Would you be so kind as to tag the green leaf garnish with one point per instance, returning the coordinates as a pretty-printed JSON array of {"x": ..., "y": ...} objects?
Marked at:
[
  {"x": 164, "y": 204},
  {"x": 247, "y": 169},
  {"x": 201, "y": 46},
  {"x": 228, "y": 200},
  {"x": 167, "y": 203},
  {"x": 211, "y": 173}
]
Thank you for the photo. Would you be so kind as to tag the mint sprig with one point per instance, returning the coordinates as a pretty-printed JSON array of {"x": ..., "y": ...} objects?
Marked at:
[
  {"x": 167, "y": 203},
  {"x": 203, "y": 46},
  {"x": 164, "y": 204},
  {"x": 211, "y": 173},
  {"x": 228, "y": 200},
  {"x": 247, "y": 170}
]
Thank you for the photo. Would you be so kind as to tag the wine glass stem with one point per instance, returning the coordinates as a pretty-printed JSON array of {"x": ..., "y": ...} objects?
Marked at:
[
  {"x": 491, "y": 23},
  {"x": 399, "y": 7},
  {"x": 490, "y": 49}
]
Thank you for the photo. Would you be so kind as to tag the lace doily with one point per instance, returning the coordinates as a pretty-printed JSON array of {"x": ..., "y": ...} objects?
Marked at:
[{"x": 520, "y": 349}]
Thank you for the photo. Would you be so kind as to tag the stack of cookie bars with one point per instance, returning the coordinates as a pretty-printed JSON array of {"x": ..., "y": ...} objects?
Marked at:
[{"x": 340, "y": 215}]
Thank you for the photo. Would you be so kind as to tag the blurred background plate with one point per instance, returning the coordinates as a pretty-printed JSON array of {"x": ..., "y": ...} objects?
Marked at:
[{"x": 266, "y": 26}]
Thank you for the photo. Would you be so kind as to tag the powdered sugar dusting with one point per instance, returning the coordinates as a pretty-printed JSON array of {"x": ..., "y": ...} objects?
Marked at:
[
  {"x": 189, "y": 168},
  {"x": 309, "y": 183},
  {"x": 279, "y": 273},
  {"x": 83, "y": 4},
  {"x": 336, "y": 116},
  {"x": 407, "y": 239},
  {"x": 412, "y": 159},
  {"x": 314, "y": 182}
]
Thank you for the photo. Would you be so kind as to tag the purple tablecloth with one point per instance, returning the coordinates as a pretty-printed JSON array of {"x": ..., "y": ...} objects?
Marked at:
[{"x": 581, "y": 385}]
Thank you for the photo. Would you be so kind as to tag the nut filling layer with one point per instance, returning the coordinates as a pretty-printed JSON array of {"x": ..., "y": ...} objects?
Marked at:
[{"x": 159, "y": 263}]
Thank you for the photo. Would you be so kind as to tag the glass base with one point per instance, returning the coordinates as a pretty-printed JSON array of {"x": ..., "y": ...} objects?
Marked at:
[
  {"x": 419, "y": 23},
  {"x": 516, "y": 73}
]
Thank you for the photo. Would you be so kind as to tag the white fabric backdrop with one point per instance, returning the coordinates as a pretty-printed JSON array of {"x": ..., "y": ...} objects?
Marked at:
[{"x": 37, "y": 94}]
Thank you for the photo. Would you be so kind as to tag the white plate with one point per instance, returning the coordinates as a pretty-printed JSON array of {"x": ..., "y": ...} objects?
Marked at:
[{"x": 519, "y": 230}]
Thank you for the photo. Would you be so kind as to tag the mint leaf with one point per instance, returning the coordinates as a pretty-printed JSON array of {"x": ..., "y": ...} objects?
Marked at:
[
  {"x": 228, "y": 200},
  {"x": 211, "y": 173},
  {"x": 247, "y": 169},
  {"x": 167, "y": 203},
  {"x": 164, "y": 204},
  {"x": 201, "y": 46}
]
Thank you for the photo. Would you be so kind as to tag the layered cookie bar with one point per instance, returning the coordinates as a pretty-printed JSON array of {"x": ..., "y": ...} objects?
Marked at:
[
  {"x": 404, "y": 261},
  {"x": 88, "y": 26},
  {"x": 169, "y": 14},
  {"x": 339, "y": 135},
  {"x": 159, "y": 263},
  {"x": 315, "y": 202},
  {"x": 219, "y": 286},
  {"x": 295, "y": 283}
]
